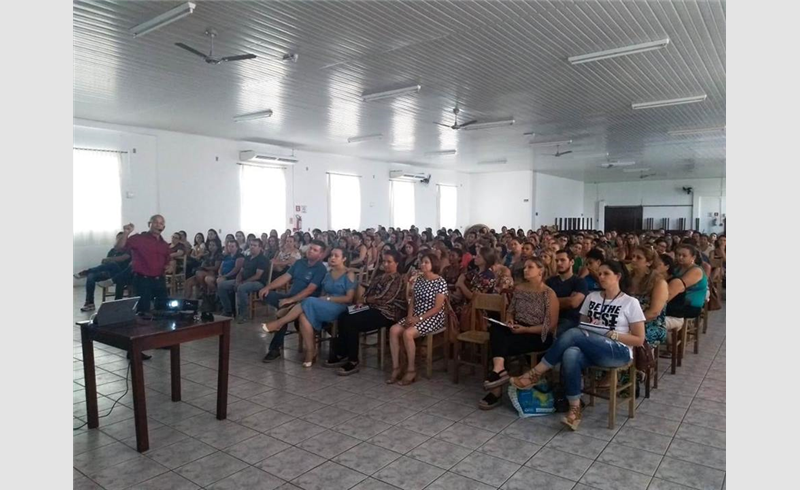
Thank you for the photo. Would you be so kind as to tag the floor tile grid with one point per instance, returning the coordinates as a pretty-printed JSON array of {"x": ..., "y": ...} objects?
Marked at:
[{"x": 414, "y": 395}]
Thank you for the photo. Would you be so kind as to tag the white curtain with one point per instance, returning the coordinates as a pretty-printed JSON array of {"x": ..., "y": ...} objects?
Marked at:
[
  {"x": 448, "y": 205},
  {"x": 96, "y": 198},
  {"x": 344, "y": 192},
  {"x": 402, "y": 204},
  {"x": 263, "y": 199}
]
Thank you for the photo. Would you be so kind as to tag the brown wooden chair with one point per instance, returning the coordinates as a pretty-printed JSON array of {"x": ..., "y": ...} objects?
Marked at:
[
  {"x": 674, "y": 350},
  {"x": 252, "y": 299},
  {"x": 476, "y": 336},
  {"x": 704, "y": 316},
  {"x": 380, "y": 344},
  {"x": 111, "y": 291},
  {"x": 614, "y": 389},
  {"x": 177, "y": 278},
  {"x": 691, "y": 333},
  {"x": 651, "y": 376},
  {"x": 432, "y": 341}
]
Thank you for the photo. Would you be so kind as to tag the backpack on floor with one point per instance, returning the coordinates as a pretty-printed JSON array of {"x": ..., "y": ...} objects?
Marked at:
[{"x": 535, "y": 402}]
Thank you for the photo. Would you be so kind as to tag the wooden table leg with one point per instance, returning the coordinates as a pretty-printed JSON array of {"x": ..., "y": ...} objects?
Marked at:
[
  {"x": 175, "y": 371},
  {"x": 139, "y": 404},
  {"x": 222, "y": 380},
  {"x": 90, "y": 383}
]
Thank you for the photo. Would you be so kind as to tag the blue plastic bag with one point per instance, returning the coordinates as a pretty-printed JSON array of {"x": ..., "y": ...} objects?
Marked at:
[{"x": 535, "y": 402}]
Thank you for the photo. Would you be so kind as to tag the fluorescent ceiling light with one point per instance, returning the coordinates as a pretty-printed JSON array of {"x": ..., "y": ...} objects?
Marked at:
[
  {"x": 440, "y": 153},
  {"x": 633, "y": 170},
  {"x": 168, "y": 17},
  {"x": 613, "y": 53},
  {"x": 551, "y": 143},
  {"x": 253, "y": 116},
  {"x": 665, "y": 103},
  {"x": 366, "y": 137},
  {"x": 689, "y": 132},
  {"x": 487, "y": 125},
  {"x": 502, "y": 161},
  {"x": 398, "y": 92}
]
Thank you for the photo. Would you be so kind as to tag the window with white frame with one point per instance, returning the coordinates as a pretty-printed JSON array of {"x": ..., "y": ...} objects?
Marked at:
[
  {"x": 263, "y": 198},
  {"x": 96, "y": 196},
  {"x": 344, "y": 201},
  {"x": 402, "y": 204},
  {"x": 448, "y": 205}
]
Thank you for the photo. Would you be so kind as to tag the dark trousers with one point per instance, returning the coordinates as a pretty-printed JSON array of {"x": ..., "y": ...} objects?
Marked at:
[
  {"x": 99, "y": 273},
  {"x": 121, "y": 281},
  {"x": 505, "y": 343},
  {"x": 272, "y": 300},
  {"x": 346, "y": 344},
  {"x": 149, "y": 288}
]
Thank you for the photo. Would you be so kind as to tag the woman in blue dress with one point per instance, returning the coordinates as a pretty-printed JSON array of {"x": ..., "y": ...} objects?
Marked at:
[{"x": 338, "y": 290}]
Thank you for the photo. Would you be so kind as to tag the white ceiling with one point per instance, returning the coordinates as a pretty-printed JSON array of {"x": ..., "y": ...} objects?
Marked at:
[{"x": 497, "y": 60}]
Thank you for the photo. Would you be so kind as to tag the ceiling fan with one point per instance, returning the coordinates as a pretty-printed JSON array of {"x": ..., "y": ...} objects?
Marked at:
[
  {"x": 559, "y": 153},
  {"x": 455, "y": 125},
  {"x": 209, "y": 58}
]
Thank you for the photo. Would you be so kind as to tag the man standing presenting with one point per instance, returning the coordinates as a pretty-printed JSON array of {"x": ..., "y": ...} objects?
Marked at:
[
  {"x": 150, "y": 256},
  {"x": 306, "y": 277},
  {"x": 570, "y": 290}
]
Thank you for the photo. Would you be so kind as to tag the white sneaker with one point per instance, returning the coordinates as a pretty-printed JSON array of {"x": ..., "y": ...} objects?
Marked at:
[{"x": 106, "y": 283}]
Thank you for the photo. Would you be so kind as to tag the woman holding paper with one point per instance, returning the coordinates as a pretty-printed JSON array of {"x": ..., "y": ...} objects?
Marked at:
[
  {"x": 532, "y": 319},
  {"x": 612, "y": 323}
]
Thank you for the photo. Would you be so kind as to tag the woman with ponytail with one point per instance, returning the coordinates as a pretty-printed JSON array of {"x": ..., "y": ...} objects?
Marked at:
[{"x": 612, "y": 312}]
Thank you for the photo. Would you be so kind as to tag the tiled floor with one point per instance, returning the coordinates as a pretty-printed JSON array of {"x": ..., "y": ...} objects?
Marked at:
[{"x": 289, "y": 427}]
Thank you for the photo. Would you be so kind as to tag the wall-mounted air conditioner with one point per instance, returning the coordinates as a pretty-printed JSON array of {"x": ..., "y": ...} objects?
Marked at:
[
  {"x": 404, "y": 176},
  {"x": 250, "y": 156}
]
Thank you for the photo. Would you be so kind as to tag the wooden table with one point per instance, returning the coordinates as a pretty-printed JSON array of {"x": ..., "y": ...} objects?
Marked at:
[{"x": 144, "y": 334}]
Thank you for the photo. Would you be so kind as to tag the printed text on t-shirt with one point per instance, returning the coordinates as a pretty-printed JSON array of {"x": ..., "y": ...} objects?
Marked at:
[{"x": 607, "y": 314}]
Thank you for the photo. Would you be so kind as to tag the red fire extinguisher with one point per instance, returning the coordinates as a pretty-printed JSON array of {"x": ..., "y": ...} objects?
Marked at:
[{"x": 298, "y": 225}]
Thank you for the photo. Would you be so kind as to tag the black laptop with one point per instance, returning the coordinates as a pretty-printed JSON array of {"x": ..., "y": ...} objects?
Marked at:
[{"x": 116, "y": 312}]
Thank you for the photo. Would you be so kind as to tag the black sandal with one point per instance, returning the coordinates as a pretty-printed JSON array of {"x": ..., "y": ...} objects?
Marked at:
[
  {"x": 495, "y": 380},
  {"x": 348, "y": 369},
  {"x": 490, "y": 401},
  {"x": 335, "y": 361}
]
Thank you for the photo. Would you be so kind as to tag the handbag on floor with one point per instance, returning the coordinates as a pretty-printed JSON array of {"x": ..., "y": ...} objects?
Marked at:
[{"x": 536, "y": 402}]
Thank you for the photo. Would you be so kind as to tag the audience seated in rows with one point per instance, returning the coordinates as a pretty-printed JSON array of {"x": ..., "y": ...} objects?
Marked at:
[{"x": 642, "y": 284}]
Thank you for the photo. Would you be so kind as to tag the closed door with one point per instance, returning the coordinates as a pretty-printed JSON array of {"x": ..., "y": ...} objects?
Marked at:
[{"x": 623, "y": 219}]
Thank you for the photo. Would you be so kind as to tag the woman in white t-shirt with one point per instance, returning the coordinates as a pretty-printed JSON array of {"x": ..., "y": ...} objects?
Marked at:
[{"x": 618, "y": 327}]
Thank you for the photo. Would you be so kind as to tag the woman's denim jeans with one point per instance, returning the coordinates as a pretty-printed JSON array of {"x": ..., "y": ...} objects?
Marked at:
[{"x": 577, "y": 349}]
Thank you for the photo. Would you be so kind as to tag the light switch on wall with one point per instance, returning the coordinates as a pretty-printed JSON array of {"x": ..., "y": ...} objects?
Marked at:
[{"x": 130, "y": 195}]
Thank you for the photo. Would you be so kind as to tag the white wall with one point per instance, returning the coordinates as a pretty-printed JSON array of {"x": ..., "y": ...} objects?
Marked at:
[
  {"x": 194, "y": 182},
  {"x": 557, "y": 197},
  {"x": 661, "y": 199},
  {"x": 502, "y": 199}
]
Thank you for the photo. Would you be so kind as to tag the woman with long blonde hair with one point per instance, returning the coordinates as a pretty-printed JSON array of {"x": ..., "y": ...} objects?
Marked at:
[{"x": 549, "y": 262}]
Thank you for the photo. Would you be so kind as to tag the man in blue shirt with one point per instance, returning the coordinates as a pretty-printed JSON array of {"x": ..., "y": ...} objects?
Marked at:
[{"x": 305, "y": 276}]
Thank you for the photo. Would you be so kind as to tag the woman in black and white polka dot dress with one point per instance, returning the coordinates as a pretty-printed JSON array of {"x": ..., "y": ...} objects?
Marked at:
[{"x": 426, "y": 315}]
